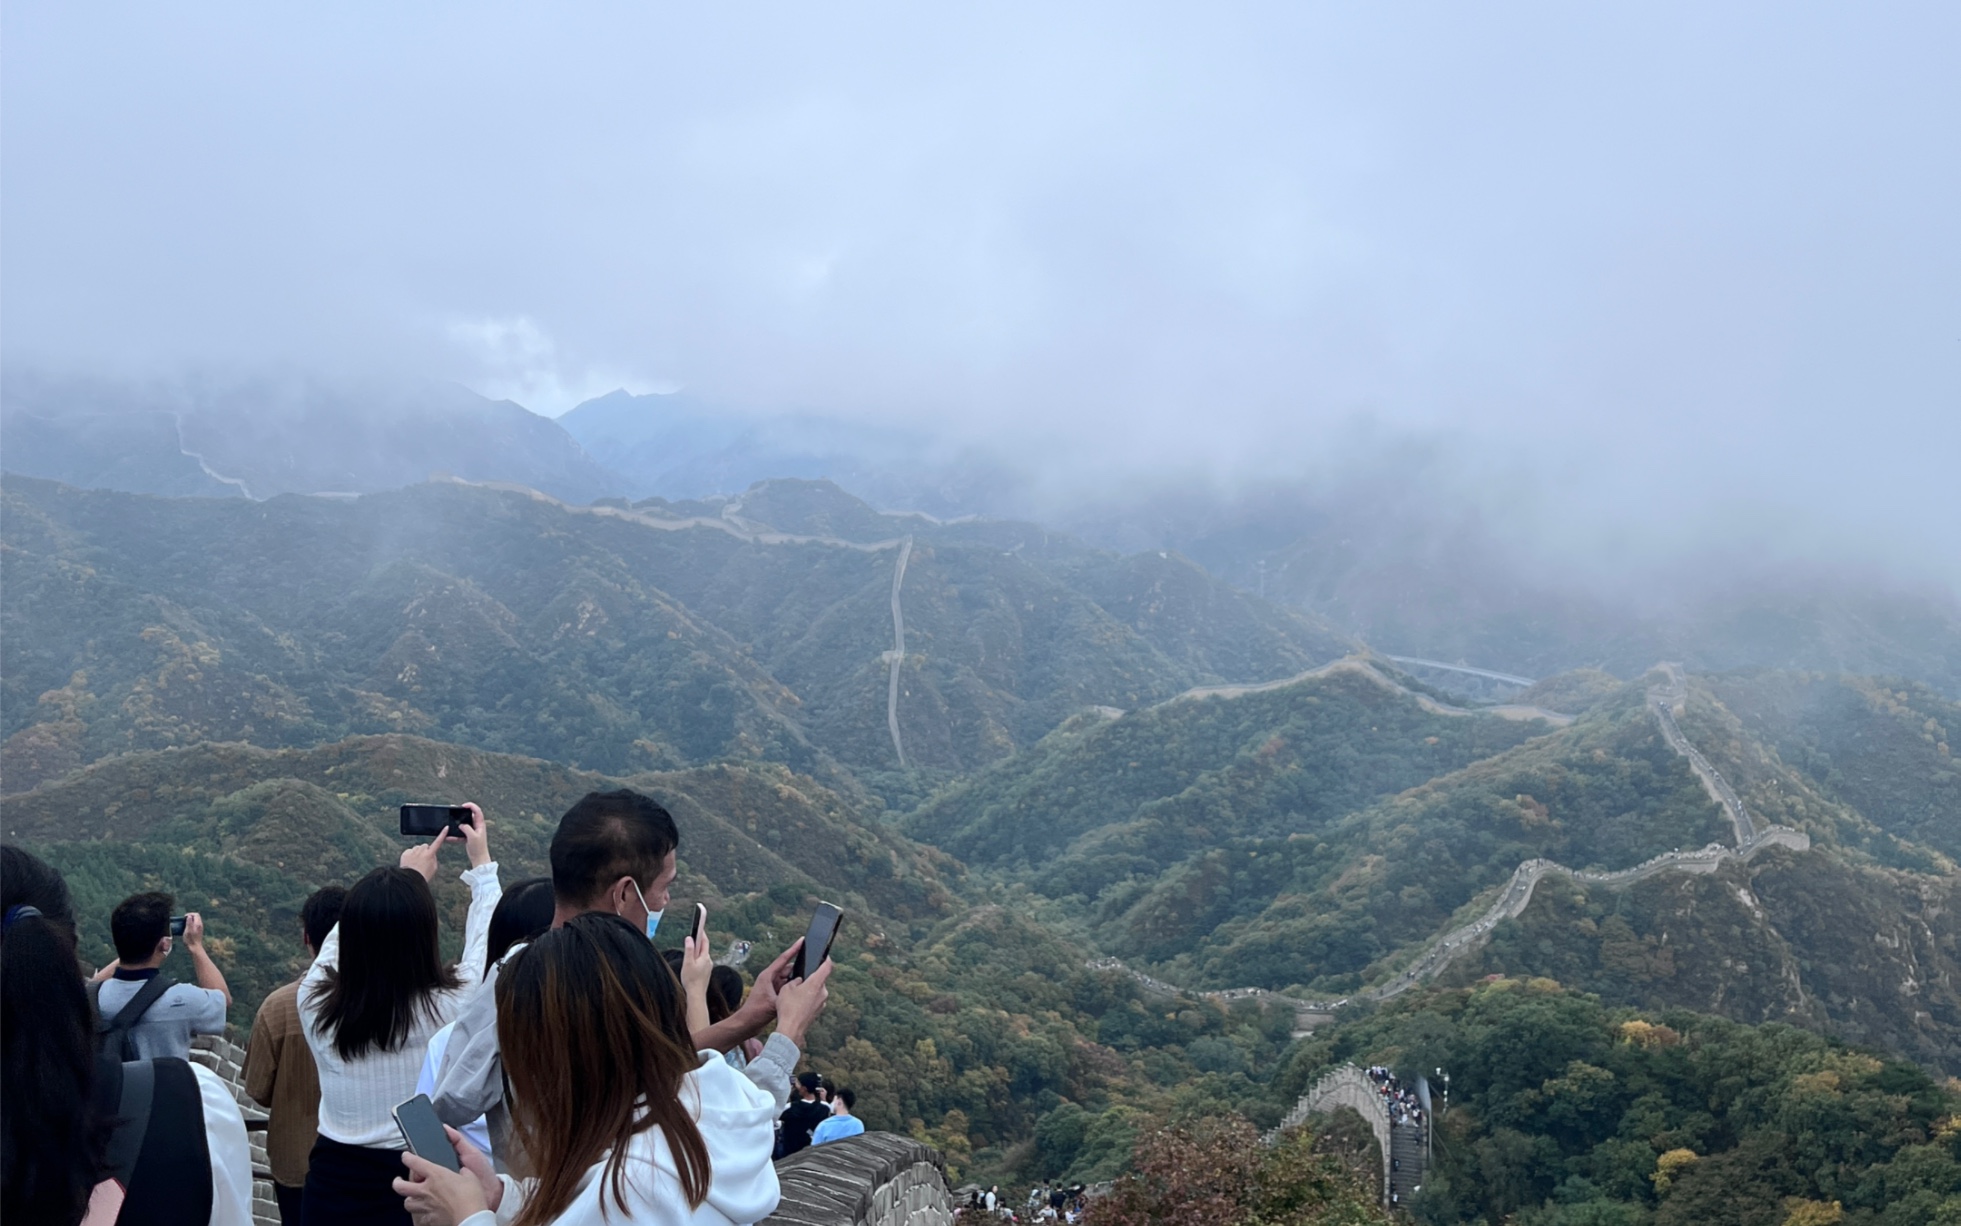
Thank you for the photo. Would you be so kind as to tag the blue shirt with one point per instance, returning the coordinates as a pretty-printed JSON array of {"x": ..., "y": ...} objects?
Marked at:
[{"x": 836, "y": 1128}]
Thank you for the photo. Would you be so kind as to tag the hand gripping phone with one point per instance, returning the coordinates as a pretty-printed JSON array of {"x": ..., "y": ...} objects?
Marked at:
[
  {"x": 817, "y": 942},
  {"x": 424, "y": 1133},
  {"x": 423, "y": 821}
]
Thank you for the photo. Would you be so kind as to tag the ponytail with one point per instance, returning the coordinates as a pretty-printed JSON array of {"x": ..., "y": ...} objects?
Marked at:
[{"x": 50, "y": 1138}]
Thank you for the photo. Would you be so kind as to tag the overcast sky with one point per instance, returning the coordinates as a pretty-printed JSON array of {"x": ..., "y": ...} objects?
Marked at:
[{"x": 1682, "y": 265}]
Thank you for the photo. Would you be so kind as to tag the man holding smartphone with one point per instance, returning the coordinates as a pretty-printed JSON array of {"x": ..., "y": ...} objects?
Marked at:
[
  {"x": 159, "y": 1020},
  {"x": 613, "y": 853}
]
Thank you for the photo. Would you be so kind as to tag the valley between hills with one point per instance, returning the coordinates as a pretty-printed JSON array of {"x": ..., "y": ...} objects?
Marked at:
[{"x": 1121, "y": 842}]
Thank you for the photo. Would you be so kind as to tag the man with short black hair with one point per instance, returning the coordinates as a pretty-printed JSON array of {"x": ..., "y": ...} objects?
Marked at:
[
  {"x": 614, "y": 853},
  {"x": 279, "y": 1071},
  {"x": 803, "y": 1115},
  {"x": 166, "y": 1018},
  {"x": 842, "y": 1123}
]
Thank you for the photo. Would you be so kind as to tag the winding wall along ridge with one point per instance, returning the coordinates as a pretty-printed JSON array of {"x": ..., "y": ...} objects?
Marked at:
[
  {"x": 898, "y": 653},
  {"x": 1362, "y": 667},
  {"x": 1517, "y": 892}
]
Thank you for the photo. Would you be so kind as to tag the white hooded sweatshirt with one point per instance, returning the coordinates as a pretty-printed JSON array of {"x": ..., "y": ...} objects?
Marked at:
[{"x": 738, "y": 1124}]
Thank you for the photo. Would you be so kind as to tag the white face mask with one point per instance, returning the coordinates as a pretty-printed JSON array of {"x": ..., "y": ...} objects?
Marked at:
[{"x": 653, "y": 916}]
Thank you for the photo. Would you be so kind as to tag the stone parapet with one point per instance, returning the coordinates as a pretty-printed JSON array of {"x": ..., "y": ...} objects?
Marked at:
[
  {"x": 227, "y": 1059},
  {"x": 876, "y": 1179}
]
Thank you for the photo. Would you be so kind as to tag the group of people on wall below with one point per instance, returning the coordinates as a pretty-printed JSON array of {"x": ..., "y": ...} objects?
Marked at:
[
  {"x": 579, "y": 1075},
  {"x": 1403, "y": 1105}
]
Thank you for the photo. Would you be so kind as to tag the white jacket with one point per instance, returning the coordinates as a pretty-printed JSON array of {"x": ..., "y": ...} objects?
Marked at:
[{"x": 738, "y": 1124}]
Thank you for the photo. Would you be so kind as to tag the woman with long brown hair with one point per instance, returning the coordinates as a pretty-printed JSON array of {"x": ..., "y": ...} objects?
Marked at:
[{"x": 618, "y": 1117}]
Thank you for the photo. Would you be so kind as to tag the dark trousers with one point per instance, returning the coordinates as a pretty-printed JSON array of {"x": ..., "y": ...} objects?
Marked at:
[
  {"x": 289, "y": 1203},
  {"x": 348, "y": 1185}
]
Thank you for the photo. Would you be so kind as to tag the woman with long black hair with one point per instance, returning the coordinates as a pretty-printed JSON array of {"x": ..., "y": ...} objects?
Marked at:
[
  {"x": 622, "y": 1121},
  {"x": 74, "y": 1145},
  {"x": 375, "y": 994}
]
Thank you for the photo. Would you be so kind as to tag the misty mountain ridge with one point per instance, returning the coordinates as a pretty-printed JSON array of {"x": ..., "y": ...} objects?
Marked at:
[
  {"x": 1098, "y": 755},
  {"x": 1396, "y": 551},
  {"x": 263, "y": 437},
  {"x": 610, "y": 637}
]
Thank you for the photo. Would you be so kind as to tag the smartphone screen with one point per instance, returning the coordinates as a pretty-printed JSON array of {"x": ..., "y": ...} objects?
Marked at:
[
  {"x": 424, "y": 1132},
  {"x": 817, "y": 942},
  {"x": 177, "y": 925},
  {"x": 423, "y": 821},
  {"x": 701, "y": 921}
]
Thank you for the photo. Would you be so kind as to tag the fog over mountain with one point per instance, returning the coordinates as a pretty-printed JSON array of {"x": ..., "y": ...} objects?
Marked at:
[
  {"x": 1238, "y": 543},
  {"x": 1641, "y": 284}
]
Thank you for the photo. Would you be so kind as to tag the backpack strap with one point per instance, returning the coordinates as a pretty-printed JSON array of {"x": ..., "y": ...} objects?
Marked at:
[
  {"x": 132, "y": 1088},
  {"x": 117, "y": 1028},
  {"x": 171, "y": 1182}
]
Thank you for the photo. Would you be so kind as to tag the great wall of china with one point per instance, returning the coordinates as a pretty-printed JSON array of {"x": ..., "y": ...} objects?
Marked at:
[{"x": 1665, "y": 700}]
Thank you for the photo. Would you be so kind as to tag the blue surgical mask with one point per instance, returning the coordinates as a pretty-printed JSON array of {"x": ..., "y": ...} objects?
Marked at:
[{"x": 653, "y": 916}]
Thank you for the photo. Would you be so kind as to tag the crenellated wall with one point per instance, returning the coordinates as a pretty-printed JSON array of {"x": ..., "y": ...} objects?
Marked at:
[
  {"x": 227, "y": 1059},
  {"x": 876, "y": 1179}
]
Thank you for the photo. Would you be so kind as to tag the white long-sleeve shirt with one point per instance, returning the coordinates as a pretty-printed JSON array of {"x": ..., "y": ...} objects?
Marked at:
[
  {"x": 358, "y": 1097},
  {"x": 470, "y": 1075},
  {"x": 738, "y": 1124}
]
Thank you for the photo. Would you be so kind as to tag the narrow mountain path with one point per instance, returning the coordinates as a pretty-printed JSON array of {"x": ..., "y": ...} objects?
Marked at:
[
  {"x": 897, "y": 655},
  {"x": 1516, "y": 895}
]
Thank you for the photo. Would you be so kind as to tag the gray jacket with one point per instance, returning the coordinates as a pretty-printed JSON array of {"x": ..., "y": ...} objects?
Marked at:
[{"x": 471, "y": 1080}]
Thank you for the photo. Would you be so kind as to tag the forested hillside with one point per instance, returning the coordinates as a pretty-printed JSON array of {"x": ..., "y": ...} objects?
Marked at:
[
  {"x": 1566, "y": 1112},
  {"x": 604, "y": 637},
  {"x": 1104, "y": 757},
  {"x": 955, "y": 1018}
]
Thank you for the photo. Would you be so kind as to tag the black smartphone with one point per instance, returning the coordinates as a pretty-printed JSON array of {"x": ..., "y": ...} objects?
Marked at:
[
  {"x": 817, "y": 942},
  {"x": 424, "y": 1132},
  {"x": 423, "y": 821},
  {"x": 177, "y": 925},
  {"x": 701, "y": 921}
]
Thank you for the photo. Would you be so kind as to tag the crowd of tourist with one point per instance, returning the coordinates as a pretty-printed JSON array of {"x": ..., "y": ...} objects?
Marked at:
[
  {"x": 1403, "y": 1105},
  {"x": 1046, "y": 1203},
  {"x": 580, "y": 1075}
]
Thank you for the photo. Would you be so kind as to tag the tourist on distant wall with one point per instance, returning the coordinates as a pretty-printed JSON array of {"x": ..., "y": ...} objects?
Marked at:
[
  {"x": 279, "y": 1072},
  {"x": 620, "y": 1117},
  {"x": 842, "y": 1123},
  {"x": 613, "y": 854},
  {"x": 802, "y": 1116},
  {"x": 156, "y": 1018},
  {"x": 75, "y": 1149},
  {"x": 369, "y": 1004}
]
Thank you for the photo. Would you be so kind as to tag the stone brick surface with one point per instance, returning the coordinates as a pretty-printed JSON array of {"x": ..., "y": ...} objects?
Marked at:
[{"x": 876, "y": 1179}]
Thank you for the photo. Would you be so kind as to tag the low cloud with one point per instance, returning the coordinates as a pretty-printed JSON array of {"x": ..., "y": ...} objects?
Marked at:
[{"x": 1654, "y": 276}]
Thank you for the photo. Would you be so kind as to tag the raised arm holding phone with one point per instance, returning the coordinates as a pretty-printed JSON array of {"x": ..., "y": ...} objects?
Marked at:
[
  {"x": 614, "y": 853},
  {"x": 375, "y": 994},
  {"x": 614, "y": 1112}
]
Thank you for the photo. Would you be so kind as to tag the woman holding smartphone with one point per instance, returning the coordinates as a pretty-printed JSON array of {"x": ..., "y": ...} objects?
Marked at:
[
  {"x": 620, "y": 1118},
  {"x": 375, "y": 994}
]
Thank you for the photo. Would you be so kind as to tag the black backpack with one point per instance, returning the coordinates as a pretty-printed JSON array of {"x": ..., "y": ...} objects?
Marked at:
[
  {"x": 157, "y": 1148},
  {"x": 112, "y": 1036}
]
